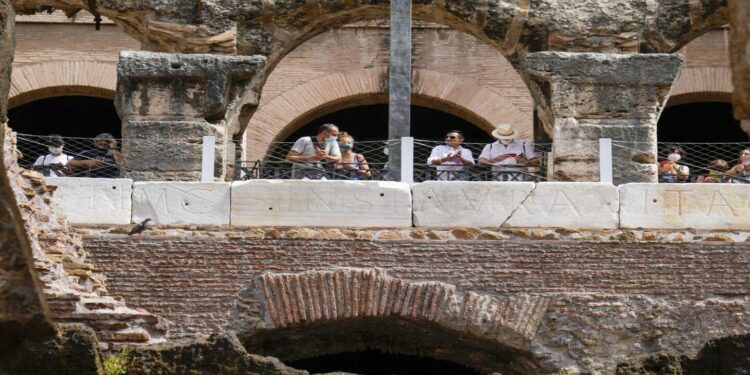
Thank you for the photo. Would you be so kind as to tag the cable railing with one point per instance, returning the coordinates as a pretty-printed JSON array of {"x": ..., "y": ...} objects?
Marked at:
[
  {"x": 698, "y": 163},
  {"x": 375, "y": 155}
]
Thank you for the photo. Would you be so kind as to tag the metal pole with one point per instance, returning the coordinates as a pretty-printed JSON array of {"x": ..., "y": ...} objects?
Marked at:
[
  {"x": 605, "y": 160},
  {"x": 399, "y": 82},
  {"x": 209, "y": 157}
]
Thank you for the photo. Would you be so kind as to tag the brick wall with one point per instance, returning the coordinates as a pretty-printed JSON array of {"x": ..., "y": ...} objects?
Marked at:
[{"x": 194, "y": 281}]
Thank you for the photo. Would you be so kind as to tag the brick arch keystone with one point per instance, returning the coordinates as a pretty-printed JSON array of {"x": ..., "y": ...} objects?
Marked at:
[
  {"x": 61, "y": 78},
  {"x": 288, "y": 300},
  {"x": 466, "y": 98},
  {"x": 702, "y": 84}
]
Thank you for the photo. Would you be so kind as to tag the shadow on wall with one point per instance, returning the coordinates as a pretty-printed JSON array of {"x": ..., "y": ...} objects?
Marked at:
[
  {"x": 357, "y": 341},
  {"x": 728, "y": 355}
]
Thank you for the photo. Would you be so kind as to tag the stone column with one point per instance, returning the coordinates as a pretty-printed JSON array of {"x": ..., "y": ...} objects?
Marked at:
[
  {"x": 399, "y": 82},
  {"x": 739, "y": 14},
  {"x": 588, "y": 96},
  {"x": 168, "y": 102}
]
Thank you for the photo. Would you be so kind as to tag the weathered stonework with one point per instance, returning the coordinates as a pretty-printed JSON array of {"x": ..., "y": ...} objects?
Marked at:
[
  {"x": 169, "y": 102},
  {"x": 592, "y": 96},
  {"x": 740, "y": 55}
]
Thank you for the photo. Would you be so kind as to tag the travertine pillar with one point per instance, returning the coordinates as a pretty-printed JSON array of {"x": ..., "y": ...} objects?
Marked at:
[
  {"x": 739, "y": 13},
  {"x": 168, "y": 102},
  {"x": 590, "y": 96}
]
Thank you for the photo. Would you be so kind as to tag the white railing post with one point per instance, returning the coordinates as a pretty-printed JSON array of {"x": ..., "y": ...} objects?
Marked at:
[
  {"x": 605, "y": 160},
  {"x": 407, "y": 159},
  {"x": 209, "y": 157}
]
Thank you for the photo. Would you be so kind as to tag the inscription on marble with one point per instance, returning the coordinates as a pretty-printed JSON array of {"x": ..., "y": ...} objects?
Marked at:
[
  {"x": 94, "y": 200},
  {"x": 182, "y": 202}
]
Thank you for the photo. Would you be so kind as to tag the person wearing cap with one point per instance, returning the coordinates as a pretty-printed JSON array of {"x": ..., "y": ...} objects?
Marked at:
[
  {"x": 55, "y": 163},
  {"x": 508, "y": 156},
  {"x": 102, "y": 161},
  {"x": 308, "y": 153},
  {"x": 450, "y": 159}
]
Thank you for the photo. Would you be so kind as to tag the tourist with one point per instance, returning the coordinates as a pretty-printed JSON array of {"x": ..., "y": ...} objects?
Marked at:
[
  {"x": 353, "y": 165},
  {"x": 54, "y": 164},
  {"x": 669, "y": 170},
  {"x": 102, "y": 161},
  {"x": 451, "y": 159},
  {"x": 716, "y": 172},
  {"x": 741, "y": 172},
  {"x": 508, "y": 156},
  {"x": 307, "y": 155}
]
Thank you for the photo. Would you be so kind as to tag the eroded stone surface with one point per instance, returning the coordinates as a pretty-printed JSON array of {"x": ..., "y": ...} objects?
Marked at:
[
  {"x": 94, "y": 200},
  {"x": 740, "y": 55},
  {"x": 321, "y": 203},
  {"x": 594, "y": 96},
  {"x": 701, "y": 206},
  {"x": 572, "y": 205},
  {"x": 181, "y": 202},
  {"x": 472, "y": 204}
]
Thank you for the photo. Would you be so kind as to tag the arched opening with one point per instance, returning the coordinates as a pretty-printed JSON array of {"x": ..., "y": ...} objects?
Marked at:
[
  {"x": 370, "y": 122},
  {"x": 706, "y": 131},
  {"x": 710, "y": 122},
  {"x": 387, "y": 346},
  {"x": 73, "y": 117}
]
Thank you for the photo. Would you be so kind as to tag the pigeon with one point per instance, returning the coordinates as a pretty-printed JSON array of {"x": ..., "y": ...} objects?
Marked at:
[{"x": 140, "y": 227}]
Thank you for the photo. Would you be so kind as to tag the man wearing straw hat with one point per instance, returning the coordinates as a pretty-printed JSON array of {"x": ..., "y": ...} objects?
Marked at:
[{"x": 508, "y": 156}]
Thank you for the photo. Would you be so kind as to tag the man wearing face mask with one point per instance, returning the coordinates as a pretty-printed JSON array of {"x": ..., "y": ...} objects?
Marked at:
[
  {"x": 55, "y": 163},
  {"x": 669, "y": 170},
  {"x": 309, "y": 153},
  {"x": 508, "y": 156},
  {"x": 451, "y": 160},
  {"x": 102, "y": 161}
]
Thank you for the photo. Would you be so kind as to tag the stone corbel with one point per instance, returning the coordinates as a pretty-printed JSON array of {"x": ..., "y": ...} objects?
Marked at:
[
  {"x": 224, "y": 78},
  {"x": 588, "y": 96}
]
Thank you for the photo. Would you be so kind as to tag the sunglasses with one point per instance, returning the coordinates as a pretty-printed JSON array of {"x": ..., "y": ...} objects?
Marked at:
[{"x": 451, "y": 137}]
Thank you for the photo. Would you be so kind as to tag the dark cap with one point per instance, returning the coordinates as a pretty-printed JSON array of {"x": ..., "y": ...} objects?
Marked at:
[{"x": 55, "y": 139}]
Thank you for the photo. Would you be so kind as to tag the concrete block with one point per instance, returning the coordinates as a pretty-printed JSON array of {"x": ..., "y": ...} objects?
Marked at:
[
  {"x": 94, "y": 200},
  {"x": 182, "y": 202},
  {"x": 699, "y": 206},
  {"x": 574, "y": 205},
  {"x": 321, "y": 203},
  {"x": 463, "y": 203}
]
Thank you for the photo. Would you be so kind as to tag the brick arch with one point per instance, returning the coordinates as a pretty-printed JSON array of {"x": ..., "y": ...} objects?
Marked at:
[
  {"x": 275, "y": 307},
  {"x": 702, "y": 84},
  {"x": 61, "y": 78},
  {"x": 461, "y": 97}
]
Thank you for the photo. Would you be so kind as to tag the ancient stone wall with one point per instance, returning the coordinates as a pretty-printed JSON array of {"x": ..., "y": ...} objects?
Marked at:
[
  {"x": 193, "y": 281},
  {"x": 608, "y": 301}
]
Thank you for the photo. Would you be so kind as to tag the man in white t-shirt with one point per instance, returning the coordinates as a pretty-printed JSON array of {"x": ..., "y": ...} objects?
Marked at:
[
  {"x": 308, "y": 153},
  {"x": 450, "y": 159},
  {"x": 55, "y": 163},
  {"x": 508, "y": 156}
]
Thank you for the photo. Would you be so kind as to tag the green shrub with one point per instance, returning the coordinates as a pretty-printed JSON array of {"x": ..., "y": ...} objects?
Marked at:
[{"x": 117, "y": 364}]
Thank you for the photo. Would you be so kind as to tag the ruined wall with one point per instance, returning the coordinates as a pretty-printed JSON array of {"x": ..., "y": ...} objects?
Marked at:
[{"x": 193, "y": 281}]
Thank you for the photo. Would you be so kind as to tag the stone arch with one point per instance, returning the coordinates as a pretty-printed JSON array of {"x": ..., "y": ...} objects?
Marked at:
[
  {"x": 704, "y": 84},
  {"x": 275, "y": 120},
  {"x": 277, "y": 307},
  {"x": 60, "y": 78}
]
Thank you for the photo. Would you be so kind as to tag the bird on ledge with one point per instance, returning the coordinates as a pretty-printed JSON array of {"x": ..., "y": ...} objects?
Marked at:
[{"x": 140, "y": 227}]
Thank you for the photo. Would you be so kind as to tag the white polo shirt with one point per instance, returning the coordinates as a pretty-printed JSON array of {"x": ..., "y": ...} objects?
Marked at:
[
  {"x": 517, "y": 147},
  {"x": 455, "y": 164}
]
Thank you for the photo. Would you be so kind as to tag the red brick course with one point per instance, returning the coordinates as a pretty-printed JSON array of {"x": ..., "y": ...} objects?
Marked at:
[{"x": 194, "y": 282}]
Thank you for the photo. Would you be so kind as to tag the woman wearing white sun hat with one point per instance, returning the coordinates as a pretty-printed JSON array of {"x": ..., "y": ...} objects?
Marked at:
[{"x": 508, "y": 156}]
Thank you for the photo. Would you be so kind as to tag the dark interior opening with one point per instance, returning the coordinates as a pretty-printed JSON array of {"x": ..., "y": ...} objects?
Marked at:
[
  {"x": 706, "y": 131},
  {"x": 700, "y": 122},
  {"x": 374, "y": 362},
  {"x": 69, "y": 116},
  {"x": 370, "y": 122},
  {"x": 76, "y": 118}
]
